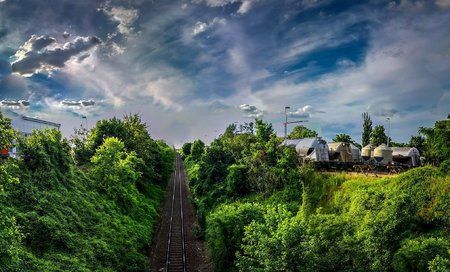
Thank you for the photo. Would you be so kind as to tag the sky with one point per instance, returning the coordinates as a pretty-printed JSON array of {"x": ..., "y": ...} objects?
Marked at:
[{"x": 191, "y": 67}]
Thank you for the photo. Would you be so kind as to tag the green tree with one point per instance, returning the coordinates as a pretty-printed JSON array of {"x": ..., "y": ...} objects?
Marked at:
[
  {"x": 345, "y": 138},
  {"x": 82, "y": 152},
  {"x": 186, "y": 150},
  {"x": 246, "y": 128},
  {"x": 417, "y": 142},
  {"x": 397, "y": 144},
  {"x": 230, "y": 131},
  {"x": 263, "y": 130},
  {"x": 197, "y": 150},
  {"x": 133, "y": 132},
  {"x": 437, "y": 142},
  {"x": 378, "y": 136},
  {"x": 300, "y": 132},
  {"x": 237, "y": 183},
  {"x": 103, "y": 129},
  {"x": 367, "y": 129},
  {"x": 7, "y": 133},
  {"x": 48, "y": 152},
  {"x": 115, "y": 171}
]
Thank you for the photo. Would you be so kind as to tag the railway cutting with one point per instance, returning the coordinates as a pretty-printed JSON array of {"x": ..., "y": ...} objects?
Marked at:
[{"x": 174, "y": 246}]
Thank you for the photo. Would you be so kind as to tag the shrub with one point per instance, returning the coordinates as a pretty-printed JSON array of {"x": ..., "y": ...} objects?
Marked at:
[
  {"x": 225, "y": 230},
  {"x": 416, "y": 254}
]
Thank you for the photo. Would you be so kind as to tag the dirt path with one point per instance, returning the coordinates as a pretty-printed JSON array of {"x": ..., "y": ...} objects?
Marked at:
[{"x": 196, "y": 257}]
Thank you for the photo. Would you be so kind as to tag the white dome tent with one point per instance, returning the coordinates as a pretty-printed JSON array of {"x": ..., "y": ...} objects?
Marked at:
[
  {"x": 314, "y": 149},
  {"x": 406, "y": 155}
]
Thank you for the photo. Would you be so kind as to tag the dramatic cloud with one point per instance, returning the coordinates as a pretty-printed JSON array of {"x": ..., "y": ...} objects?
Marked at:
[
  {"x": 76, "y": 108},
  {"x": 15, "y": 103},
  {"x": 381, "y": 111},
  {"x": 37, "y": 55},
  {"x": 188, "y": 65},
  {"x": 5, "y": 69},
  {"x": 251, "y": 111},
  {"x": 80, "y": 103}
]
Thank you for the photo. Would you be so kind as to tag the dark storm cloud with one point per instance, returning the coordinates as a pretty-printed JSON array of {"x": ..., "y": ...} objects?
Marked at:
[
  {"x": 13, "y": 87},
  {"x": 3, "y": 33},
  {"x": 39, "y": 42},
  {"x": 5, "y": 69},
  {"x": 251, "y": 111},
  {"x": 36, "y": 57}
]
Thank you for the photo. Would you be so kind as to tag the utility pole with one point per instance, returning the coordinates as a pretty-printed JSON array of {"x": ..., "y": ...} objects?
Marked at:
[
  {"x": 85, "y": 120},
  {"x": 292, "y": 122},
  {"x": 286, "y": 122},
  {"x": 389, "y": 130}
]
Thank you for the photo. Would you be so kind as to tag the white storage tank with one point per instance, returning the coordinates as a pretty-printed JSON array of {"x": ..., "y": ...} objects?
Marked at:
[
  {"x": 356, "y": 153},
  {"x": 367, "y": 152},
  {"x": 383, "y": 154}
]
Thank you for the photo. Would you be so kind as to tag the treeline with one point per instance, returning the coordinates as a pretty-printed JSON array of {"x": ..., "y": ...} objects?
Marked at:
[
  {"x": 84, "y": 204},
  {"x": 260, "y": 211}
]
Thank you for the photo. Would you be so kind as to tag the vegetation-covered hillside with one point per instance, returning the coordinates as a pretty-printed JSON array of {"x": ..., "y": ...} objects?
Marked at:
[
  {"x": 86, "y": 208},
  {"x": 260, "y": 211}
]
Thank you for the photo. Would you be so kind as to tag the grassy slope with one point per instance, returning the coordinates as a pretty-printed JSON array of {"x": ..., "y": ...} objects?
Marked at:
[{"x": 343, "y": 222}]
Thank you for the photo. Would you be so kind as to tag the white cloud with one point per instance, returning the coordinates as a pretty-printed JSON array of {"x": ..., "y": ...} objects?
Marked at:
[
  {"x": 244, "y": 7},
  {"x": 201, "y": 27},
  {"x": 125, "y": 17},
  {"x": 304, "y": 112}
]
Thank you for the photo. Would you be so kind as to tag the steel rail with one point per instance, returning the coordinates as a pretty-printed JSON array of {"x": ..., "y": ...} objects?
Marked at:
[{"x": 172, "y": 258}]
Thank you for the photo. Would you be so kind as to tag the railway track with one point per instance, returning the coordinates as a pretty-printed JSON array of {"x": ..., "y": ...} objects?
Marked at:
[{"x": 176, "y": 248}]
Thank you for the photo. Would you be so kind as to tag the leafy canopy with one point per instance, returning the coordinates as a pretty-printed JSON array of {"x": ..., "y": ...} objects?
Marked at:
[
  {"x": 367, "y": 128},
  {"x": 378, "y": 136},
  {"x": 300, "y": 132},
  {"x": 197, "y": 150},
  {"x": 7, "y": 134}
]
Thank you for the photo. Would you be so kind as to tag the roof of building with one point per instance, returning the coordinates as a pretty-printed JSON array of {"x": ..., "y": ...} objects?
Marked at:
[{"x": 36, "y": 120}]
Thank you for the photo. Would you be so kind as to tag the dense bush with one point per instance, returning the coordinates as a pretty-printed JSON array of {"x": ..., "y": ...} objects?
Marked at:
[
  {"x": 226, "y": 230},
  {"x": 381, "y": 225},
  {"x": 56, "y": 217}
]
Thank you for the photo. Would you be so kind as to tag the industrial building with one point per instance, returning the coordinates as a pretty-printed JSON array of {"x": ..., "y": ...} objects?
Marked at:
[{"x": 25, "y": 125}]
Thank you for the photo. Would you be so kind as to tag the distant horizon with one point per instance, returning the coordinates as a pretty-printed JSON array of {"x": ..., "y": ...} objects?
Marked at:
[{"x": 279, "y": 132}]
